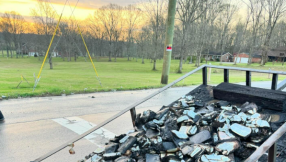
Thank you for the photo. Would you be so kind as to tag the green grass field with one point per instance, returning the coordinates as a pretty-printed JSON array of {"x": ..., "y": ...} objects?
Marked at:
[{"x": 79, "y": 77}]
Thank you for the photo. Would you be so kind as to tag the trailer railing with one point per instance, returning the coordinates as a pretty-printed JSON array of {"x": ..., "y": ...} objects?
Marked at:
[{"x": 269, "y": 143}]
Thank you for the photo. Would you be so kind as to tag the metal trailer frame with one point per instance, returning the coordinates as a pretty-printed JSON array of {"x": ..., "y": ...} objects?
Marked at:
[{"x": 270, "y": 143}]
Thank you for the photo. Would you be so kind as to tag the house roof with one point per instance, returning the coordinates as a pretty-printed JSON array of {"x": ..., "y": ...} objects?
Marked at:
[
  {"x": 273, "y": 52},
  {"x": 216, "y": 53},
  {"x": 256, "y": 56}
]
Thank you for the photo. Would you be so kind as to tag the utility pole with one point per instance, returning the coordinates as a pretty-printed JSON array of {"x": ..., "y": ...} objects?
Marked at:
[{"x": 169, "y": 41}]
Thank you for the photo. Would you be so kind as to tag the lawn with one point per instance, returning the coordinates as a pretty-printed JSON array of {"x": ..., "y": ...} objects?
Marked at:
[{"x": 79, "y": 77}]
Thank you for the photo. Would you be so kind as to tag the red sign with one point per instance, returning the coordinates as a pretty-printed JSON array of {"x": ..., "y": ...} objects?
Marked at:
[{"x": 169, "y": 48}]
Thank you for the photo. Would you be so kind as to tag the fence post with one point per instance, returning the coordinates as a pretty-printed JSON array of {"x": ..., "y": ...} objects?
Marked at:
[
  {"x": 272, "y": 149},
  {"x": 272, "y": 153},
  {"x": 248, "y": 78},
  {"x": 226, "y": 75},
  {"x": 205, "y": 73},
  {"x": 274, "y": 81}
]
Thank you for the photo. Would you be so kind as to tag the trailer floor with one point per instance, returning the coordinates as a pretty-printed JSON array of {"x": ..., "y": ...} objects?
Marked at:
[{"x": 35, "y": 126}]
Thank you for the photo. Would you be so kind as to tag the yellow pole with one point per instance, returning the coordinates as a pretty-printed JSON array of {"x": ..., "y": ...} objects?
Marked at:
[
  {"x": 87, "y": 50},
  {"x": 49, "y": 47}
]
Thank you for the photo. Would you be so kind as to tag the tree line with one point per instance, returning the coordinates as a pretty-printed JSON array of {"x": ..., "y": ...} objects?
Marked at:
[{"x": 138, "y": 31}]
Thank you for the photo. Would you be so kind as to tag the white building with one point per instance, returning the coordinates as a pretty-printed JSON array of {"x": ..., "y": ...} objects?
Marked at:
[{"x": 32, "y": 53}]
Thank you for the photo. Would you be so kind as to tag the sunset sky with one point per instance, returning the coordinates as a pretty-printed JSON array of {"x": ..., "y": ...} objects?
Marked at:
[{"x": 84, "y": 7}]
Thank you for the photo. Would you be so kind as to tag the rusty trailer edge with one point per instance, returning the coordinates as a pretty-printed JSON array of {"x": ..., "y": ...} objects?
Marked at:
[{"x": 267, "y": 144}]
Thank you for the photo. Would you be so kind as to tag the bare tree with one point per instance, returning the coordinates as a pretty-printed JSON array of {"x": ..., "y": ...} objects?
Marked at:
[
  {"x": 225, "y": 19},
  {"x": 117, "y": 37},
  {"x": 133, "y": 16},
  {"x": 275, "y": 9},
  {"x": 5, "y": 28},
  {"x": 110, "y": 16},
  {"x": 239, "y": 42},
  {"x": 142, "y": 38},
  {"x": 44, "y": 18},
  {"x": 14, "y": 24},
  {"x": 213, "y": 11},
  {"x": 188, "y": 12},
  {"x": 255, "y": 11},
  {"x": 156, "y": 9}
]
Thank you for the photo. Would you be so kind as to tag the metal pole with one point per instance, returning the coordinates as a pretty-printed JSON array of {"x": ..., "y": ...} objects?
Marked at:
[{"x": 168, "y": 41}]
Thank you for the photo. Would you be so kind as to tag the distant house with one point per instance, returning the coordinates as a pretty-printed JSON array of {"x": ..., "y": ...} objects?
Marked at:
[
  {"x": 276, "y": 54},
  {"x": 55, "y": 54},
  {"x": 33, "y": 53},
  {"x": 212, "y": 55},
  {"x": 227, "y": 57},
  {"x": 256, "y": 58},
  {"x": 244, "y": 57}
]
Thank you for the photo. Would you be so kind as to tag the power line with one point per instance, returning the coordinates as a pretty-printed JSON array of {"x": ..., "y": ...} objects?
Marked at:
[{"x": 68, "y": 20}]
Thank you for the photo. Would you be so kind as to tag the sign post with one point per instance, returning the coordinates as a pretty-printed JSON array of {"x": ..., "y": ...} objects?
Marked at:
[{"x": 168, "y": 41}]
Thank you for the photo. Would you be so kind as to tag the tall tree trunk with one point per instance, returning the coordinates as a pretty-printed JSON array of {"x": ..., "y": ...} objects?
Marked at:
[
  {"x": 143, "y": 60},
  {"x": 69, "y": 58},
  {"x": 109, "y": 57},
  {"x": 22, "y": 53},
  {"x": 7, "y": 51},
  {"x": 265, "y": 50},
  {"x": 142, "y": 55},
  {"x": 11, "y": 52},
  {"x": 50, "y": 61},
  {"x": 185, "y": 59},
  {"x": 63, "y": 57},
  {"x": 154, "y": 65},
  {"x": 110, "y": 48},
  {"x": 181, "y": 64},
  {"x": 191, "y": 59},
  {"x": 16, "y": 48},
  {"x": 182, "y": 54},
  {"x": 75, "y": 56},
  {"x": 127, "y": 51},
  {"x": 197, "y": 58}
]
